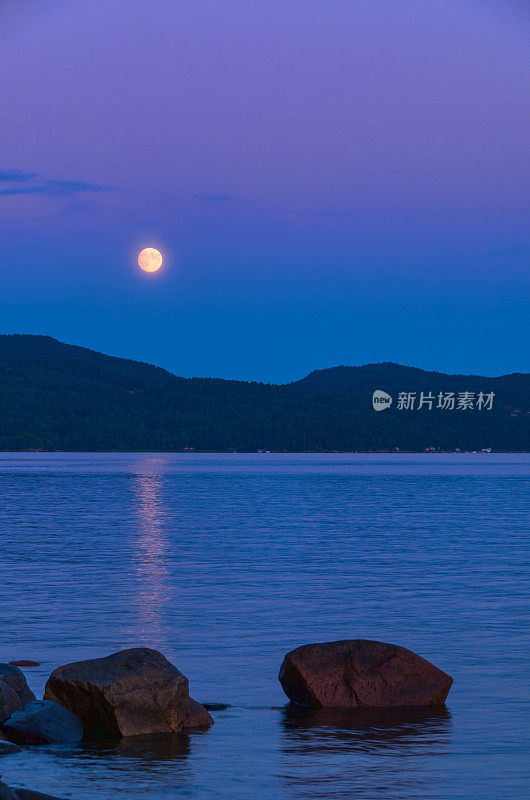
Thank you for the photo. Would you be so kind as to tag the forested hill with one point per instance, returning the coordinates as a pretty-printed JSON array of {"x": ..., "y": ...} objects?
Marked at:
[{"x": 55, "y": 396}]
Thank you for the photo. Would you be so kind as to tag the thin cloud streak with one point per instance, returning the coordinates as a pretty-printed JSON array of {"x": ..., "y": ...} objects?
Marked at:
[
  {"x": 50, "y": 188},
  {"x": 16, "y": 176},
  {"x": 213, "y": 198}
]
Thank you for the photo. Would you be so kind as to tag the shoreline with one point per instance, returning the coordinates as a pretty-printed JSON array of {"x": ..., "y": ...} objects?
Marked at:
[{"x": 189, "y": 451}]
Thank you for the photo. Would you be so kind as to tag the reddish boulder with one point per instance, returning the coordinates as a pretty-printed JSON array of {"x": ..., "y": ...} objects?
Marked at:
[
  {"x": 359, "y": 673},
  {"x": 14, "y": 677},
  {"x": 9, "y": 701},
  {"x": 129, "y": 693}
]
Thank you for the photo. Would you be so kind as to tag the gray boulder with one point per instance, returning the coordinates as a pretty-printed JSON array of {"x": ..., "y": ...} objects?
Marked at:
[
  {"x": 14, "y": 677},
  {"x": 43, "y": 722},
  {"x": 357, "y": 673},
  {"x": 9, "y": 701},
  {"x": 129, "y": 693}
]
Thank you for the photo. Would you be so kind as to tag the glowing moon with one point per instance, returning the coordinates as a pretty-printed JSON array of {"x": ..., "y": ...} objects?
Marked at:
[{"x": 150, "y": 259}]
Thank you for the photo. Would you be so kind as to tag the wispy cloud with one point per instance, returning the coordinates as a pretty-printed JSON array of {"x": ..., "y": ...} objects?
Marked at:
[
  {"x": 51, "y": 188},
  {"x": 213, "y": 198},
  {"x": 63, "y": 188},
  {"x": 21, "y": 190},
  {"x": 16, "y": 176}
]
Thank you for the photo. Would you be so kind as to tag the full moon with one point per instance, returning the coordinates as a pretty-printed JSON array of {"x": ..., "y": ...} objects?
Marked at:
[{"x": 150, "y": 259}]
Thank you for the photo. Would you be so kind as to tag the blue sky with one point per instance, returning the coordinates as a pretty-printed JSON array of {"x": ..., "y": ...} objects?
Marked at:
[{"x": 330, "y": 183}]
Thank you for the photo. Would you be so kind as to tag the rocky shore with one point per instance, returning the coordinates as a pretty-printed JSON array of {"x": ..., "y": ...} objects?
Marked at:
[
  {"x": 129, "y": 693},
  {"x": 138, "y": 692}
]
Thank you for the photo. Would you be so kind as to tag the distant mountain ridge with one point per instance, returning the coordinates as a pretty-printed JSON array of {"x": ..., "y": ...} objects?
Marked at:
[
  {"x": 56, "y": 396},
  {"x": 345, "y": 378}
]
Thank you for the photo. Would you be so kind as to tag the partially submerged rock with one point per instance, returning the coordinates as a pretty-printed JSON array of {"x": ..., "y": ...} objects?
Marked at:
[
  {"x": 358, "y": 673},
  {"x": 44, "y": 722},
  {"x": 7, "y": 748},
  {"x": 28, "y": 794},
  {"x": 14, "y": 677},
  {"x": 133, "y": 692},
  {"x": 6, "y": 793},
  {"x": 9, "y": 701},
  {"x": 25, "y": 662},
  {"x": 199, "y": 716}
]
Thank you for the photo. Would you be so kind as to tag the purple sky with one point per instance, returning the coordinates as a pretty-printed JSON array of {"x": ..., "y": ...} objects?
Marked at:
[{"x": 332, "y": 182}]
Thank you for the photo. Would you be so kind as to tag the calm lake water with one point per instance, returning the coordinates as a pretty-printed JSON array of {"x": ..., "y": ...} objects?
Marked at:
[{"x": 226, "y": 562}]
